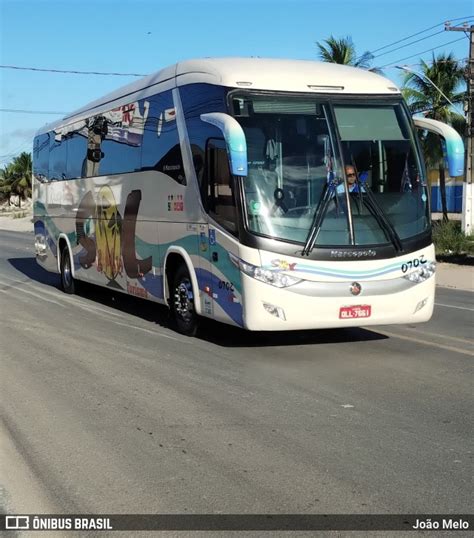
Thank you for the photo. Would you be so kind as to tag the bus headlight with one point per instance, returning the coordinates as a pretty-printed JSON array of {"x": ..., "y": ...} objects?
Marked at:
[
  {"x": 275, "y": 278},
  {"x": 422, "y": 274}
]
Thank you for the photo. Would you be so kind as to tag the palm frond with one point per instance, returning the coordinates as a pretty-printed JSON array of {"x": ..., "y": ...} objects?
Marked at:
[{"x": 421, "y": 93}]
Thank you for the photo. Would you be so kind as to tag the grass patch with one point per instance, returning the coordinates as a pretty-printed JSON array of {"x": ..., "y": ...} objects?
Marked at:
[{"x": 451, "y": 243}]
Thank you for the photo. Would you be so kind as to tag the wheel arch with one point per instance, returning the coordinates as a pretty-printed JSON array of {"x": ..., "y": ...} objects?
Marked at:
[
  {"x": 174, "y": 256},
  {"x": 63, "y": 242}
]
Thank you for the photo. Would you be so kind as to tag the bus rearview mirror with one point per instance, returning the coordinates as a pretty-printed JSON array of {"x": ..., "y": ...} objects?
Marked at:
[
  {"x": 234, "y": 137},
  {"x": 452, "y": 143}
]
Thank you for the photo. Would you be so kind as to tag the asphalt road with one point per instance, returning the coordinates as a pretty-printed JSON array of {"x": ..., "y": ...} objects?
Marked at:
[{"x": 107, "y": 410}]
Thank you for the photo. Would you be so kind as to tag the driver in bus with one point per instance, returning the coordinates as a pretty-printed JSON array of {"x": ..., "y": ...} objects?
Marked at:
[{"x": 354, "y": 183}]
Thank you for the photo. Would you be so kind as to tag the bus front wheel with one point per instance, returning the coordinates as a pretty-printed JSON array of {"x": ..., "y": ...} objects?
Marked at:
[
  {"x": 67, "y": 280},
  {"x": 182, "y": 303}
]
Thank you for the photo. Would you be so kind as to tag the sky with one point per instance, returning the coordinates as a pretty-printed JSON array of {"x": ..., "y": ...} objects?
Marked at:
[{"x": 143, "y": 36}]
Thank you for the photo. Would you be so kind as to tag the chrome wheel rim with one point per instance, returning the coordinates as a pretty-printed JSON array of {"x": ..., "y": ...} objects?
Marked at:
[{"x": 183, "y": 300}]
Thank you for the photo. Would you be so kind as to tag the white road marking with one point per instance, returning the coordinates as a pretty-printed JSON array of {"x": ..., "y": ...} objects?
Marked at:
[
  {"x": 84, "y": 304},
  {"x": 12, "y": 291},
  {"x": 155, "y": 333},
  {"x": 458, "y": 307},
  {"x": 454, "y": 338},
  {"x": 425, "y": 342}
]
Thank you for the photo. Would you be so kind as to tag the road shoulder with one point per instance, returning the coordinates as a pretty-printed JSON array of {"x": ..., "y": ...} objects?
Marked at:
[
  {"x": 450, "y": 275},
  {"x": 23, "y": 224}
]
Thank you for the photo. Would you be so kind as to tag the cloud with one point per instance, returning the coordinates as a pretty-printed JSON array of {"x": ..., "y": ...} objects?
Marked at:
[
  {"x": 22, "y": 133},
  {"x": 9, "y": 141},
  {"x": 14, "y": 142}
]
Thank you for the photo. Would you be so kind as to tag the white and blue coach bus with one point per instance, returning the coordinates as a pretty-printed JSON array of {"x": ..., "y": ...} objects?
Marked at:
[{"x": 268, "y": 194}]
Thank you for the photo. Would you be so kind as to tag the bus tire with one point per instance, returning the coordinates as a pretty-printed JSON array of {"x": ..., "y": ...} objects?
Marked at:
[
  {"x": 67, "y": 280},
  {"x": 182, "y": 303}
]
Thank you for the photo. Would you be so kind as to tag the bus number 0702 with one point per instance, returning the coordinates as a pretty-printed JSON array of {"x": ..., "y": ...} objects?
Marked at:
[
  {"x": 413, "y": 263},
  {"x": 226, "y": 285}
]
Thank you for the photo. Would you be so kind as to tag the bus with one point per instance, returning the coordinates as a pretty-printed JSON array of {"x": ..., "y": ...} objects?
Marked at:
[{"x": 266, "y": 194}]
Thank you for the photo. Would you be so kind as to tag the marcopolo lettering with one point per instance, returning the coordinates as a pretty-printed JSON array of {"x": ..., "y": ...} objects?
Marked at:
[{"x": 353, "y": 253}]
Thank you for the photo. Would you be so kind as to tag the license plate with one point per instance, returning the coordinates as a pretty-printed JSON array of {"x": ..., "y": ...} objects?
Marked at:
[{"x": 356, "y": 311}]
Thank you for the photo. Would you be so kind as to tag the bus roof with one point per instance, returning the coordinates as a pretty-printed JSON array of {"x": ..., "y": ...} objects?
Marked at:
[{"x": 251, "y": 73}]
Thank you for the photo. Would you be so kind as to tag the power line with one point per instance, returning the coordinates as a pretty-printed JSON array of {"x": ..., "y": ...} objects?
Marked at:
[
  {"x": 460, "y": 61},
  {"x": 9, "y": 157},
  {"x": 18, "y": 149},
  {"x": 20, "y": 144},
  {"x": 19, "y": 111},
  {"x": 419, "y": 53},
  {"x": 408, "y": 44},
  {"x": 418, "y": 33},
  {"x": 71, "y": 71}
]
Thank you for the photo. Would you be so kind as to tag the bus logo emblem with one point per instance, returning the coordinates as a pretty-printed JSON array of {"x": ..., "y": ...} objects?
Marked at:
[{"x": 356, "y": 288}]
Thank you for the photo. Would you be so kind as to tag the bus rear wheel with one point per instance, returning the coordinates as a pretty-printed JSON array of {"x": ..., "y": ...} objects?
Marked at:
[
  {"x": 182, "y": 303},
  {"x": 67, "y": 280}
]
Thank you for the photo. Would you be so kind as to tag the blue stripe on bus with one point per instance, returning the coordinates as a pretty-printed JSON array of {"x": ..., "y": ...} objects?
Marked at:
[
  {"x": 224, "y": 297},
  {"x": 153, "y": 284}
]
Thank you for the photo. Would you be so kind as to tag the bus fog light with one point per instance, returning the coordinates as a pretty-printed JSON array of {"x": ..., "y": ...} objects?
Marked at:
[
  {"x": 275, "y": 311},
  {"x": 420, "y": 305}
]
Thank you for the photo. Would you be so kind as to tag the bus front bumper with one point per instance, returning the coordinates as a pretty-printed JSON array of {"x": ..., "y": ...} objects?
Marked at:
[{"x": 267, "y": 308}]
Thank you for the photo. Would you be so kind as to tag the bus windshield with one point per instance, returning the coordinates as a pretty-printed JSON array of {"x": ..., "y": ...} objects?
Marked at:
[{"x": 299, "y": 186}]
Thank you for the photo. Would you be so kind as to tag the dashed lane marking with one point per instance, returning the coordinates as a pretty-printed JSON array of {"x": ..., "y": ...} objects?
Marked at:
[
  {"x": 453, "y": 306},
  {"x": 426, "y": 342}
]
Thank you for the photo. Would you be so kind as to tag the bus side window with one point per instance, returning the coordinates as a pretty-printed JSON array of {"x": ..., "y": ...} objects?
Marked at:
[
  {"x": 161, "y": 150},
  {"x": 220, "y": 192},
  {"x": 41, "y": 158},
  {"x": 76, "y": 151},
  {"x": 58, "y": 156}
]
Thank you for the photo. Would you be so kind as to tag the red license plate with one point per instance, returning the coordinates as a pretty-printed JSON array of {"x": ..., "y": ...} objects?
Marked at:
[{"x": 356, "y": 311}]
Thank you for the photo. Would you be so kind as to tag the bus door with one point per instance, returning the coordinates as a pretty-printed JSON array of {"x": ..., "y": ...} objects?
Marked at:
[{"x": 222, "y": 234}]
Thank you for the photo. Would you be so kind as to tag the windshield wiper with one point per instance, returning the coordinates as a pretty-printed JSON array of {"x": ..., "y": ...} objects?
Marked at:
[
  {"x": 329, "y": 194},
  {"x": 370, "y": 202},
  {"x": 383, "y": 221}
]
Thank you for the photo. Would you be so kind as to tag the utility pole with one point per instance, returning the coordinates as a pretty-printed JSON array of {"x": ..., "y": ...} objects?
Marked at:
[{"x": 467, "y": 191}]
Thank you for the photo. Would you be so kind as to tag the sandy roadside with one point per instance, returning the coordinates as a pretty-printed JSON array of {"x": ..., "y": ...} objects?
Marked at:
[
  {"x": 459, "y": 277},
  {"x": 24, "y": 224}
]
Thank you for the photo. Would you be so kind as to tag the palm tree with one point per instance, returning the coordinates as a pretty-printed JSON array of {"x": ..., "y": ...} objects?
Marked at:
[
  {"x": 22, "y": 170},
  {"x": 6, "y": 179},
  {"x": 342, "y": 51},
  {"x": 15, "y": 178},
  {"x": 423, "y": 98}
]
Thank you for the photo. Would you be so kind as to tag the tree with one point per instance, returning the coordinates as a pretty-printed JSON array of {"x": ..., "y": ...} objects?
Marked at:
[
  {"x": 6, "y": 179},
  {"x": 22, "y": 170},
  {"x": 423, "y": 98},
  {"x": 15, "y": 178},
  {"x": 342, "y": 51}
]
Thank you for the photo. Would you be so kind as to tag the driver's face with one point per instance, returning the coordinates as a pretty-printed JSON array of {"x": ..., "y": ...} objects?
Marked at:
[{"x": 351, "y": 175}]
